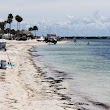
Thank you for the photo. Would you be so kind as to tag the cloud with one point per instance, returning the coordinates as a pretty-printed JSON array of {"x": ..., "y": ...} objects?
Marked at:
[
  {"x": 87, "y": 26},
  {"x": 93, "y": 25},
  {"x": 53, "y": 10},
  {"x": 1, "y": 19}
]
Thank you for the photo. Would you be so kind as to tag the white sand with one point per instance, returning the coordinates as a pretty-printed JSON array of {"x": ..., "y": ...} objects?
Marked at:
[{"x": 20, "y": 86}]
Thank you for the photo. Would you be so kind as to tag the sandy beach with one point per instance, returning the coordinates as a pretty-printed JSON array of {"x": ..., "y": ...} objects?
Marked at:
[
  {"x": 24, "y": 86},
  {"x": 20, "y": 85}
]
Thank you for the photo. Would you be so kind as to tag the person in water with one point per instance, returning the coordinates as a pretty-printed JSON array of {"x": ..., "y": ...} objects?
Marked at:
[{"x": 88, "y": 43}]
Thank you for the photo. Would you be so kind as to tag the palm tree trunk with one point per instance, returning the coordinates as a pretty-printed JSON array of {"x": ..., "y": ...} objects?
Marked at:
[
  {"x": 17, "y": 30},
  {"x": 2, "y": 33},
  {"x": 19, "y": 26},
  {"x": 10, "y": 30},
  {"x": 35, "y": 32}
]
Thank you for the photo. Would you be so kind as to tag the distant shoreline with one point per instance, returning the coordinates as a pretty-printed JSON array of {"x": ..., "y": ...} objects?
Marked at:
[{"x": 84, "y": 37}]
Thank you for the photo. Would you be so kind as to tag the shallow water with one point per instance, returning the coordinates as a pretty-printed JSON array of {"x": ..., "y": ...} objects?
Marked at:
[{"x": 89, "y": 65}]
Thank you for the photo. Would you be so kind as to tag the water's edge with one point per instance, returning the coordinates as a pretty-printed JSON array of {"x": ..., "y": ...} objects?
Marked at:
[{"x": 59, "y": 81}]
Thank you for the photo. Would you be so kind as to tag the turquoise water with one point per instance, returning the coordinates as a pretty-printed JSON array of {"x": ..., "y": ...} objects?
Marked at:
[{"x": 89, "y": 65}]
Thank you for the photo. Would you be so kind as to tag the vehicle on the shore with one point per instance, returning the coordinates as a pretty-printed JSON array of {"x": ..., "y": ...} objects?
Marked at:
[
  {"x": 24, "y": 35},
  {"x": 23, "y": 38},
  {"x": 50, "y": 40}
]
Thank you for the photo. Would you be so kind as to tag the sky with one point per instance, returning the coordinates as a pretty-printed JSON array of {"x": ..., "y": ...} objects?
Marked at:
[{"x": 58, "y": 12}]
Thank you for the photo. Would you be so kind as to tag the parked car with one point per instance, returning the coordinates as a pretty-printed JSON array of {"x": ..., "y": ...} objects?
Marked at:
[
  {"x": 24, "y": 38},
  {"x": 50, "y": 40}
]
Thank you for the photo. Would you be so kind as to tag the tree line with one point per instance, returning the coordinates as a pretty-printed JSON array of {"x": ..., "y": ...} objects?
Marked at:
[{"x": 9, "y": 21}]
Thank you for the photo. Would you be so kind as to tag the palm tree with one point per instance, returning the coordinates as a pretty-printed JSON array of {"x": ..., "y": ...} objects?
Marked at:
[
  {"x": 10, "y": 19},
  {"x": 7, "y": 30},
  {"x": 35, "y": 28},
  {"x": 30, "y": 29},
  {"x": 13, "y": 32},
  {"x": 18, "y": 19},
  {"x": 2, "y": 26}
]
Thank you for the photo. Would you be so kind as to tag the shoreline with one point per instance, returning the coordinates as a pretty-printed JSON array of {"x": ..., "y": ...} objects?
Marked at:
[
  {"x": 21, "y": 85},
  {"x": 26, "y": 86},
  {"x": 58, "y": 81}
]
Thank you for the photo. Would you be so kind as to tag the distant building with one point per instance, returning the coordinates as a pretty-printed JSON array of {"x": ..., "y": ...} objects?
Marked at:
[{"x": 7, "y": 36}]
